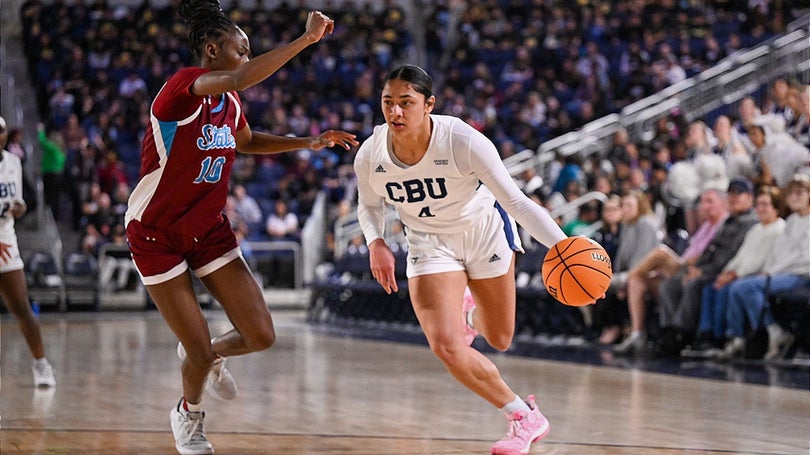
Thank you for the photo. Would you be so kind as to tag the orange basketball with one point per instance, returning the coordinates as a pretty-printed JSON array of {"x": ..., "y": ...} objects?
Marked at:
[{"x": 577, "y": 271}]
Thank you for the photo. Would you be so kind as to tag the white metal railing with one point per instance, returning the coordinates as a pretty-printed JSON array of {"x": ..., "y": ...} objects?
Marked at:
[
  {"x": 347, "y": 228},
  {"x": 728, "y": 81},
  {"x": 116, "y": 270},
  {"x": 574, "y": 205}
]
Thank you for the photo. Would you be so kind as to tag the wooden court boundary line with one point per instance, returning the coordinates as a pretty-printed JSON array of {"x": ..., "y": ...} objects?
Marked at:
[{"x": 404, "y": 438}]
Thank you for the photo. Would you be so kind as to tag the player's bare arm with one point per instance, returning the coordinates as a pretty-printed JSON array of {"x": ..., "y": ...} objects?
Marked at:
[
  {"x": 258, "y": 142},
  {"x": 260, "y": 68}
]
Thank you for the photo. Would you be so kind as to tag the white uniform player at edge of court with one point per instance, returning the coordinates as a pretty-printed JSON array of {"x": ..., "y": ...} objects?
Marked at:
[
  {"x": 452, "y": 193},
  {"x": 13, "y": 285}
]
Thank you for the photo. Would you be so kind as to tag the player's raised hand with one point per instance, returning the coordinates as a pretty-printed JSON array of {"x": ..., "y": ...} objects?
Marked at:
[{"x": 318, "y": 25}]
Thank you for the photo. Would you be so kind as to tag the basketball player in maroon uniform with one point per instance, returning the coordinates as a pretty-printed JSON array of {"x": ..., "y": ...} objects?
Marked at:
[{"x": 175, "y": 221}]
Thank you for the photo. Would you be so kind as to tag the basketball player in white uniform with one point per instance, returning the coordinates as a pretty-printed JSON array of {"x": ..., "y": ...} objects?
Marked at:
[
  {"x": 444, "y": 179},
  {"x": 13, "y": 287}
]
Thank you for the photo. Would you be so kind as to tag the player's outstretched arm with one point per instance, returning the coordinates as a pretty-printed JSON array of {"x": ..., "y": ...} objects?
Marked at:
[
  {"x": 258, "y": 142},
  {"x": 487, "y": 165},
  {"x": 263, "y": 66}
]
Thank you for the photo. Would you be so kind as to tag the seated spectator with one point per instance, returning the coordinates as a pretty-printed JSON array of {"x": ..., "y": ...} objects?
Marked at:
[
  {"x": 750, "y": 259},
  {"x": 679, "y": 299},
  {"x": 663, "y": 262},
  {"x": 74, "y": 134},
  {"x": 760, "y": 172},
  {"x": 777, "y": 102},
  {"x": 609, "y": 234},
  {"x": 557, "y": 200},
  {"x": 110, "y": 171},
  {"x": 570, "y": 172},
  {"x": 131, "y": 85},
  {"x": 687, "y": 179},
  {"x": 697, "y": 140},
  {"x": 637, "y": 236},
  {"x": 799, "y": 124},
  {"x": 60, "y": 107},
  {"x": 733, "y": 152},
  {"x": 282, "y": 224},
  {"x": 15, "y": 144},
  {"x": 98, "y": 221},
  {"x": 246, "y": 206},
  {"x": 529, "y": 181},
  {"x": 747, "y": 116},
  {"x": 787, "y": 268},
  {"x": 588, "y": 214}
]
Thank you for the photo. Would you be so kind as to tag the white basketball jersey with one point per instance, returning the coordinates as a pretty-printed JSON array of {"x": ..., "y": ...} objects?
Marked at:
[
  {"x": 10, "y": 191},
  {"x": 442, "y": 193}
]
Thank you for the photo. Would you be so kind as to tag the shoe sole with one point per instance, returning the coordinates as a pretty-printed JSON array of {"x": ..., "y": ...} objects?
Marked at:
[
  {"x": 192, "y": 452},
  {"x": 50, "y": 382},
  {"x": 541, "y": 433},
  {"x": 183, "y": 451}
]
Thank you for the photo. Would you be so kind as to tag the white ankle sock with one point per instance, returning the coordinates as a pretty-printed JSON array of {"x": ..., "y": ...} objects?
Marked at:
[
  {"x": 193, "y": 407},
  {"x": 515, "y": 405},
  {"x": 41, "y": 361}
]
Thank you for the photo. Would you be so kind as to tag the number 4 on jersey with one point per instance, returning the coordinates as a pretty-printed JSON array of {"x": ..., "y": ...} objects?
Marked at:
[{"x": 425, "y": 212}]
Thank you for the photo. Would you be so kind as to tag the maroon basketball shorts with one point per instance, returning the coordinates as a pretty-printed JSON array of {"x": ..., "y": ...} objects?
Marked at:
[{"x": 161, "y": 255}]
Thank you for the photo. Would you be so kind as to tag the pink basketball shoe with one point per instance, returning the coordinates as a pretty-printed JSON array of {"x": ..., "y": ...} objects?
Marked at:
[
  {"x": 467, "y": 306},
  {"x": 524, "y": 429}
]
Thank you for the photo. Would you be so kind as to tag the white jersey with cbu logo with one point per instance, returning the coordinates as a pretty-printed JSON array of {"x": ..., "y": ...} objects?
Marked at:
[
  {"x": 10, "y": 192},
  {"x": 443, "y": 192}
]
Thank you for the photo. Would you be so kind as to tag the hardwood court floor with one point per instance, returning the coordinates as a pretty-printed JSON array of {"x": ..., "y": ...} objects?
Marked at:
[{"x": 312, "y": 393}]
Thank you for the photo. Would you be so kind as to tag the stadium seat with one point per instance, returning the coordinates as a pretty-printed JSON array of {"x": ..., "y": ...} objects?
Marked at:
[
  {"x": 45, "y": 284},
  {"x": 81, "y": 280}
]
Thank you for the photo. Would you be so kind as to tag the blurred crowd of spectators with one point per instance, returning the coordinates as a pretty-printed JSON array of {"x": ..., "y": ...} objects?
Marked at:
[{"x": 520, "y": 71}]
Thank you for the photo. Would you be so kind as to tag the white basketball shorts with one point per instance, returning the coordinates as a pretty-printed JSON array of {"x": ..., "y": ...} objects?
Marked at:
[
  {"x": 485, "y": 250},
  {"x": 16, "y": 262}
]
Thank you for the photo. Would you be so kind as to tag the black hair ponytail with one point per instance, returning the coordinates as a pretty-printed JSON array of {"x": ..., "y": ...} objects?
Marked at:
[{"x": 205, "y": 20}]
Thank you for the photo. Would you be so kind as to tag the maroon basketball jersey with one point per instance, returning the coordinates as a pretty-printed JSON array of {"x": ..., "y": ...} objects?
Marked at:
[{"x": 186, "y": 158}]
